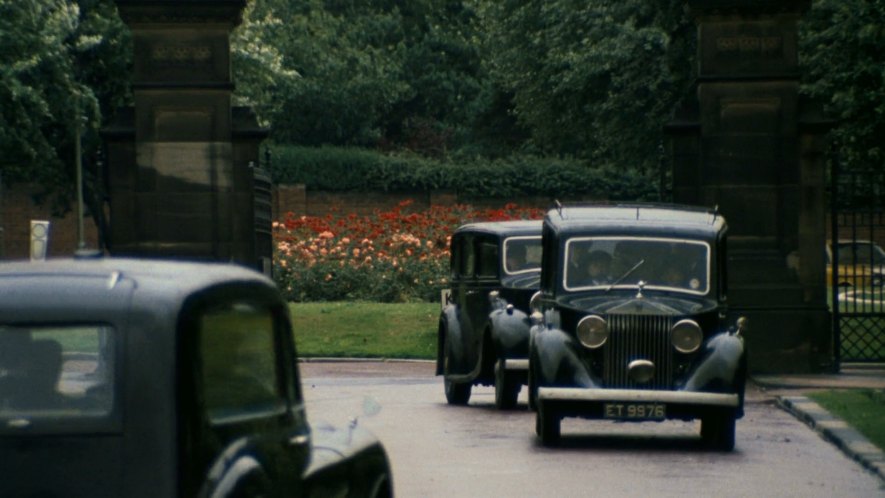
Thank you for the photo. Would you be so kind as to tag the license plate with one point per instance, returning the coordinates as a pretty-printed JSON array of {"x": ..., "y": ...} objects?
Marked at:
[{"x": 635, "y": 411}]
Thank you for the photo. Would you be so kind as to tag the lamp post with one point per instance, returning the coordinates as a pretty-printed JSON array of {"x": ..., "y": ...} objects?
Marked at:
[{"x": 81, "y": 243}]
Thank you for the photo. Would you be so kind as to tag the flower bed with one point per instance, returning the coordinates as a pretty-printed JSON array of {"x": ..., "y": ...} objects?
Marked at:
[{"x": 390, "y": 256}]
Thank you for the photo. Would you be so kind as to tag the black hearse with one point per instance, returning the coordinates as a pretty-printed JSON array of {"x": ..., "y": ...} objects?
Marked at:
[
  {"x": 630, "y": 324},
  {"x": 146, "y": 378},
  {"x": 484, "y": 325}
]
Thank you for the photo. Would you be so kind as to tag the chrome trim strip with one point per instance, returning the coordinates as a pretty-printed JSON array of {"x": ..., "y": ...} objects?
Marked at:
[{"x": 516, "y": 364}]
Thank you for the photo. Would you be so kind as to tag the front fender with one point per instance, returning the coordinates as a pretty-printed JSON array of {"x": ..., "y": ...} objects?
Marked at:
[
  {"x": 510, "y": 333},
  {"x": 348, "y": 461},
  {"x": 556, "y": 360},
  {"x": 723, "y": 367},
  {"x": 236, "y": 472}
]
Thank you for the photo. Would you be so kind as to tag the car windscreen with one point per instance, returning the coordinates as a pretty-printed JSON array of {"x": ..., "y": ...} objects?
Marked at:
[
  {"x": 59, "y": 372},
  {"x": 522, "y": 254},
  {"x": 672, "y": 264}
]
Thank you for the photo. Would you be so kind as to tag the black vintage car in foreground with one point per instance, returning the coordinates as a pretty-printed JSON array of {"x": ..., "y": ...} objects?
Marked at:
[
  {"x": 630, "y": 324},
  {"x": 484, "y": 326},
  {"x": 128, "y": 378}
]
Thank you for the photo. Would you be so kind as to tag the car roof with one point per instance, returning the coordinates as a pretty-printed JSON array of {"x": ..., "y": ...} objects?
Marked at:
[
  {"x": 162, "y": 277},
  {"x": 636, "y": 217},
  {"x": 504, "y": 228}
]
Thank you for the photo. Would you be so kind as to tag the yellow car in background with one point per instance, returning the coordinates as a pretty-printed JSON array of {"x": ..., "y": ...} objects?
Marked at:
[{"x": 861, "y": 264}]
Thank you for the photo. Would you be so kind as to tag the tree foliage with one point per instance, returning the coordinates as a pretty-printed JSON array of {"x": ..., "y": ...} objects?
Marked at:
[
  {"x": 596, "y": 80},
  {"x": 63, "y": 65},
  {"x": 345, "y": 56},
  {"x": 370, "y": 73},
  {"x": 450, "y": 79},
  {"x": 842, "y": 53}
]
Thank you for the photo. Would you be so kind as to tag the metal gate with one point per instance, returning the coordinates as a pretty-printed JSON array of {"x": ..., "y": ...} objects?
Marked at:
[{"x": 856, "y": 264}]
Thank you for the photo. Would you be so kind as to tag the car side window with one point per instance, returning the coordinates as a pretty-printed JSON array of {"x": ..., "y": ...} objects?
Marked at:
[
  {"x": 62, "y": 371},
  {"x": 464, "y": 258},
  {"x": 240, "y": 375},
  {"x": 488, "y": 259}
]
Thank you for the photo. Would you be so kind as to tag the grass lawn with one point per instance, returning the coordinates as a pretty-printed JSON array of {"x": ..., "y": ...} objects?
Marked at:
[
  {"x": 863, "y": 409},
  {"x": 365, "y": 329}
]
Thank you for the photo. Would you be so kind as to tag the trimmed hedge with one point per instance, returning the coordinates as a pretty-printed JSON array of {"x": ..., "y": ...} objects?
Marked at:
[{"x": 362, "y": 170}]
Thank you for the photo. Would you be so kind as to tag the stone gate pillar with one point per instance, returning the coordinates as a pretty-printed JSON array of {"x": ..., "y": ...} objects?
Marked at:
[
  {"x": 748, "y": 147},
  {"x": 181, "y": 181}
]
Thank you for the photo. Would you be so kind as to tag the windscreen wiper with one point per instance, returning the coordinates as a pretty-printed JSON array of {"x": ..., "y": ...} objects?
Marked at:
[{"x": 625, "y": 275}]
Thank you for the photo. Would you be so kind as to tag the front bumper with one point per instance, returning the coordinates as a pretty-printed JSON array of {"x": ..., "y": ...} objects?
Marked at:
[
  {"x": 516, "y": 365},
  {"x": 591, "y": 403}
]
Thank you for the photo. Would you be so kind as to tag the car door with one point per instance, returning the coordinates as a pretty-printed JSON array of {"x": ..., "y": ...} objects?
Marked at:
[
  {"x": 485, "y": 278},
  {"x": 249, "y": 430}
]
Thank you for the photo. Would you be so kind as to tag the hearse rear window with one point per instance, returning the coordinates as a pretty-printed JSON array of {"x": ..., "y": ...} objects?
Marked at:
[
  {"x": 522, "y": 255},
  {"x": 56, "y": 371}
]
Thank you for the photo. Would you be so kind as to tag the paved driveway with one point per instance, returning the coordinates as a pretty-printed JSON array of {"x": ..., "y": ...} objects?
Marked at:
[{"x": 442, "y": 450}]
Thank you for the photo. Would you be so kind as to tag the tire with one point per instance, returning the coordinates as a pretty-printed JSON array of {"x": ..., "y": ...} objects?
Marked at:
[
  {"x": 533, "y": 393},
  {"x": 457, "y": 393},
  {"x": 506, "y": 389},
  {"x": 547, "y": 425},
  {"x": 717, "y": 431}
]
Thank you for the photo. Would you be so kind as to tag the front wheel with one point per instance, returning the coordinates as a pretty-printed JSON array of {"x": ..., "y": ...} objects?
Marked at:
[
  {"x": 717, "y": 431},
  {"x": 506, "y": 388}
]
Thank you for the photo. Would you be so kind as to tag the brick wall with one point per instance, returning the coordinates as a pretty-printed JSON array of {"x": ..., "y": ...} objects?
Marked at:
[
  {"x": 297, "y": 200},
  {"x": 17, "y": 209}
]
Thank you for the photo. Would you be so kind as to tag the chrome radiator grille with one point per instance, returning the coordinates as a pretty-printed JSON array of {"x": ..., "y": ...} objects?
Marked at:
[{"x": 635, "y": 337}]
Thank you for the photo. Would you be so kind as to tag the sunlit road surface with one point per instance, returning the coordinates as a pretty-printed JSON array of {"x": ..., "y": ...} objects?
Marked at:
[{"x": 438, "y": 450}]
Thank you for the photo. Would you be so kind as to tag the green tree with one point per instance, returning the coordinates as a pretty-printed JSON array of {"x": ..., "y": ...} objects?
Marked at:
[
  {"x": 63, "y": 64},
  {"x": 841, "y": 51},
  {"x": 441, "y": 65},
  {"x": 399, "y": 75},
  {"x": 346, "y": 56},
  {"x": 597, "y": 80}
]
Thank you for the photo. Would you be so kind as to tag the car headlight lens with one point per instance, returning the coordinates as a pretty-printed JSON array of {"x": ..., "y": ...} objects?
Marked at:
[
  {"x": 592, "y": 331},
  {"x": 686, "y": 336}
]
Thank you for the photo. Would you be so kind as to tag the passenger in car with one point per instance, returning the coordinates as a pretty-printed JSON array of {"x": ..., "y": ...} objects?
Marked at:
[
  {"x": 516, "y": 257},
  {"x": 599, "y": 268},
  {"x": 43, "y": 369}
]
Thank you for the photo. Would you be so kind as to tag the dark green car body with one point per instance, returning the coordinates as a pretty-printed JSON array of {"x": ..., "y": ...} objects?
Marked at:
[
  {"x": 122, "y": 377},
  {"x": 631, "y": 320}
]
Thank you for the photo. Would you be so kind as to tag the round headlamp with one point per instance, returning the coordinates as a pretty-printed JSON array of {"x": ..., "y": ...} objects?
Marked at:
[
  {"x": 686, "y": 336},
  {"x": 592, "y": 331}
]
